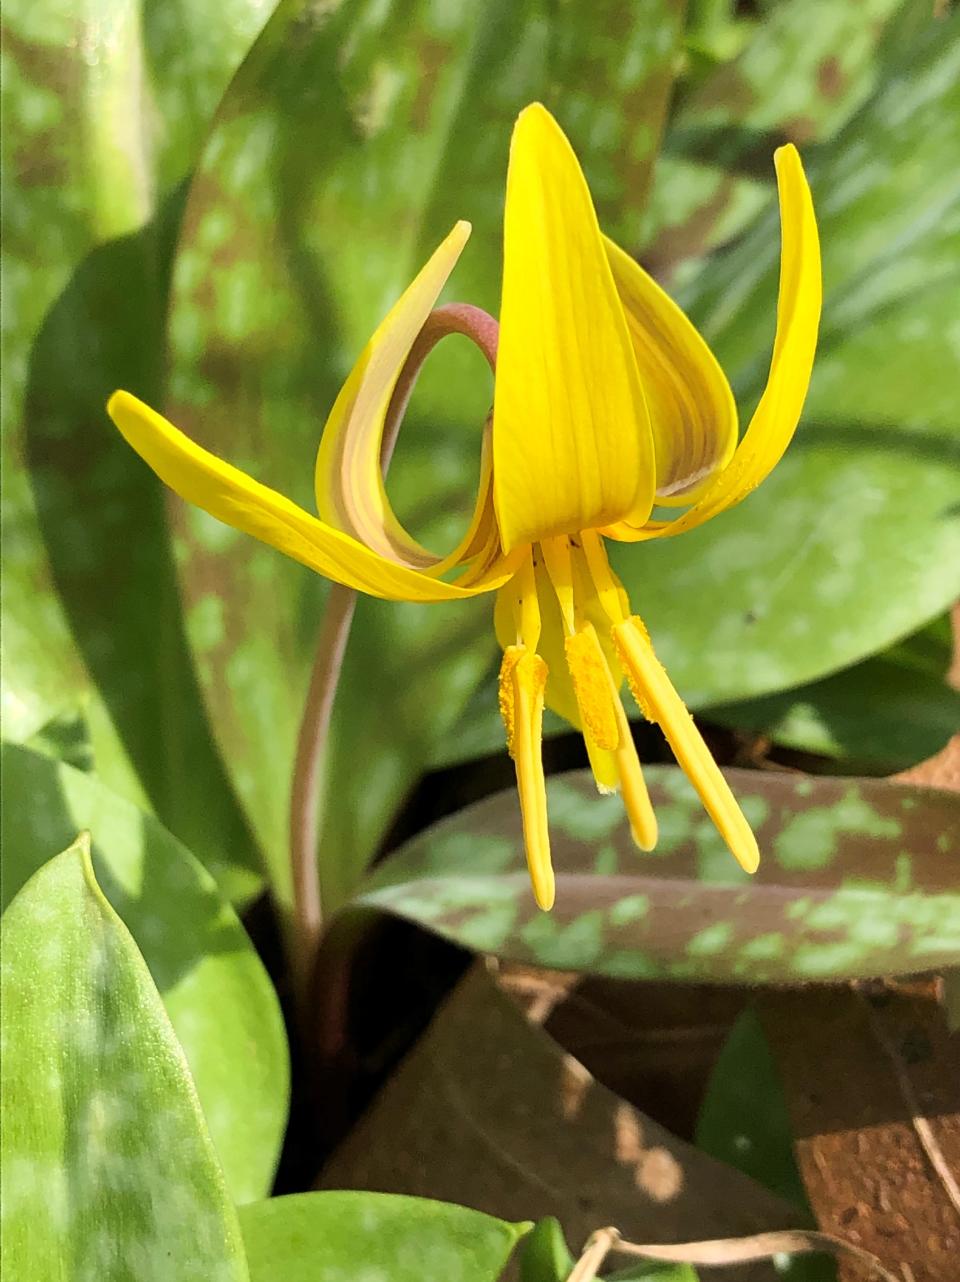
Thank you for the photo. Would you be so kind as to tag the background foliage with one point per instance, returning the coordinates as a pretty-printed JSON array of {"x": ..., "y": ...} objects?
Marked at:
[{"x": 214, "y": 206}]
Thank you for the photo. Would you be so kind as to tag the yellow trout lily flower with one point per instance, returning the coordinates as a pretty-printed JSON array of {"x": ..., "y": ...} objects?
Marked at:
[{"x": 607, "y": 405}]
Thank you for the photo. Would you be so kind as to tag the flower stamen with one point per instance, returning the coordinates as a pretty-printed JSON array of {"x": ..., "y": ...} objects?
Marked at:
[
  {"x": 528, "y": 679},
  {"x": 648, "y": 677},
  {"x": 593, "y": 687}
]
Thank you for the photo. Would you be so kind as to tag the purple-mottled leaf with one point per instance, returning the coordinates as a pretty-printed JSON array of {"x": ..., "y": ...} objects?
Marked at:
[
  {"x": 857, "y": 878},
  {"x": 350, "y": 141}
]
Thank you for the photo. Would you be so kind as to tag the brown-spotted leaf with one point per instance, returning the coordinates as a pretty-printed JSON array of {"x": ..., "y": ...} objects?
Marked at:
[
  {"x": 351, "y": 140},
  {"x": 857, "y": 878}
]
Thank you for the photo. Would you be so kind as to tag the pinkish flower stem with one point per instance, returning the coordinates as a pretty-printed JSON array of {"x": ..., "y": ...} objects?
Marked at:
[{"x": 305, "y": 795}]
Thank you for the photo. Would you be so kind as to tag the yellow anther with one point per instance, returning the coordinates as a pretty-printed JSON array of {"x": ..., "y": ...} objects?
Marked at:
[
  {"x": 593, "y": 686},
  {"x": 511, "y": 657},
  {"x": 528, "y": 678},
  {"x": 636, "y": 690},
  {"x": 646, "y": 674}
]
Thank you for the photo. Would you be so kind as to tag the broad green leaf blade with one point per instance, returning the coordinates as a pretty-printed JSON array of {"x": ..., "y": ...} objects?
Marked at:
[
  {"x": 744, "y": 1121},
  {"x": 284, "y": 270},
  {"x": 743, "y": 1118},
  {"x": 216, "y": 992},
  {"x": 545, "y": 1256},
  {"x": 857, "y": 878},
  {"x": 108, "y": 1169},
  {"x": 339, "y": 1237},
  {"x": 800, "y": 76},
  {"x": 854, "y": 541},
  {"x": 105, "y": 107},
  {"x": 877, "y": 717}
]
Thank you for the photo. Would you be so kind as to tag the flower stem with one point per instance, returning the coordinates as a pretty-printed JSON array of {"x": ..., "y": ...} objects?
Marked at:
[
  {"x": 306, "y": 789},
  {"x": 307, "y": 777}
]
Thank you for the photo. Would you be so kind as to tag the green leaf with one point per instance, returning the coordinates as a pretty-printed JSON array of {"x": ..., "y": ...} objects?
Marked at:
[
  {"x": 854, "y": 540},
  {"x": 545, "y": 1256},
  {"x": 105, "y": 108},
  {"x": 341, "y": 1236},
  {"x": 743, "y": 1117},
  {"x": 802, "y": 73},
  {"x": 108, "y": 1170},
  {"x": 878, "y": 717},
  {"x": 744, "y": 1121},
  {"x": 216, "y": 992},
  {"x": 857, "y": 878},
  {"x": 286, "y": 267}
]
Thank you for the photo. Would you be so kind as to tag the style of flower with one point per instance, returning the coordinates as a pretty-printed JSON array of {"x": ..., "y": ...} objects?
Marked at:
[{"x": 607, "y": 405}]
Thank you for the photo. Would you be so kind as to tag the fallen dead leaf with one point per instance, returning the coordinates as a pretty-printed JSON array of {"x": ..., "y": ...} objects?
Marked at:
[{"x": 487, "y": 1110}]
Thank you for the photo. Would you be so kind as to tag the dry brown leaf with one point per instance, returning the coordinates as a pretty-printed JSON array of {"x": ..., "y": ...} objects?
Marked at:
[{"x": 489, "y": 1111}]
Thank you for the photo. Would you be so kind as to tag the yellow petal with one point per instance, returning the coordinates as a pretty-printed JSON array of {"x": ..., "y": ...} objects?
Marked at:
[
  {"x": 659, "y": 701},
  {"x": 798, "y": 317},
  {"x": 351, "y": 496},
  {"x": 571, "y": 434},
  {"x": 692, "y": 412},
  {"x": 238, "y": 500}
]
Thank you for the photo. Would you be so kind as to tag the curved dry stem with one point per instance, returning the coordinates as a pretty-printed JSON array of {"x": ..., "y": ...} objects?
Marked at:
[{"x": 721, "y": 1252}]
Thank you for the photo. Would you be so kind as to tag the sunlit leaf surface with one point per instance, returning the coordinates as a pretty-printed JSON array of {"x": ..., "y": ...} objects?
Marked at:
[
  {"x": 342, "y": 1236},
  {"x": 104, "y": 110},
  {"x": 854, "y": 540},
  {"x": 347, "y": 147},
  {"x": 857, "y": 878},
  {"x": 214, "y": 987},
  {"x": 108, "y": 1169}
]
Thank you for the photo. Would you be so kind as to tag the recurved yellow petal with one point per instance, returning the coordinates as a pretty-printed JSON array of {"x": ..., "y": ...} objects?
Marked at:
[
  {"x": 571, "y": 433},
  {"x": 693, "y": 416},
  {"x": 238, "y": 500},
  {"x": 798, "y": 317},
  {"x": 350, "y": 490}
]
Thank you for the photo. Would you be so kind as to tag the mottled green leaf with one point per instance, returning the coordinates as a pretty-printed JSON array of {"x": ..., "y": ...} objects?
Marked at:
[
  {"x": 854, "y": 540},
  {"x": 350, "y": 141},
  {"x": 104, "y": 110},
  {"x": 877, "y": 717},
  {"x": 108, "y": 1169},
  {"x": 857, "y": 878},
  {"x": 801, "y": 74},
  {"x": 216, "y": 992},
  {"x": 340, "y": 1237}
]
